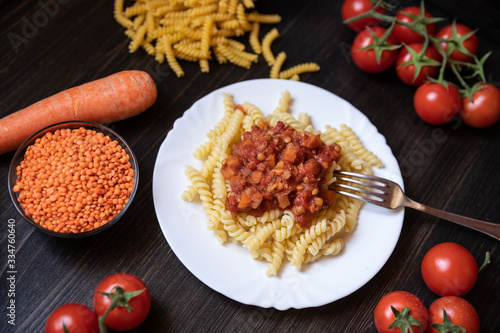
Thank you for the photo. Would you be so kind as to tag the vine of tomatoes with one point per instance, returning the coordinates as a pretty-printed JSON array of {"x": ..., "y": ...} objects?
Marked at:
[{"x": 421, "y": 56}]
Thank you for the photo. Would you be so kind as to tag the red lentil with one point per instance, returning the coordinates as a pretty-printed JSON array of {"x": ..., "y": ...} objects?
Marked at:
[{"x": 74, "y": 180}]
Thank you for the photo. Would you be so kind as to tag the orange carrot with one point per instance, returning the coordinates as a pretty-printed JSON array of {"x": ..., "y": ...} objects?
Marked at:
[{"x": 116, "y": 97}]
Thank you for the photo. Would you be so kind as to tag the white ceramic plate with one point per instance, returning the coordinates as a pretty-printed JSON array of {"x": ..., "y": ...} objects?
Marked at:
[{"x": 228, "y": 268}]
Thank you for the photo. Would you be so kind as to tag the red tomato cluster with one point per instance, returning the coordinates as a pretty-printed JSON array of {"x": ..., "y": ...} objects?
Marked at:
[
  {"x": 420, "y": 55},
  {"x": 125, "y": 295},
  {"x": 450, "y": 271}
]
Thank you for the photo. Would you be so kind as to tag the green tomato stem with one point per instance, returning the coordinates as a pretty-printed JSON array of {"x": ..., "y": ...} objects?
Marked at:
[
  {"x": 102, "y": 319},
  {"x": 455, "y": 70},
  {"x": 119, "y": 297},
  {"x": 486, "y": 261}
]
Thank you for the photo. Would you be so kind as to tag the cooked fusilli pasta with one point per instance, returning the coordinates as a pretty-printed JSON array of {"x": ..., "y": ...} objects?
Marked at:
[{"x": 275, "y": 235}]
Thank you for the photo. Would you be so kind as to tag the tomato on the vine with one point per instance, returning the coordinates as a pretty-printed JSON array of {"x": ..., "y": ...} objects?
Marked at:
[
  {"x": 72, "y": 317},
  {"x": 462, "y": 39},
  {"x": 352, "y": 8},
  {"x": 436, "y": 103},
  {"x": 459, "y": 314},
  {"x": 484, "y": 108},
  {"x": 449, "y": 269},
  {"x": 371, "y": 54},
  {"x": 130, "y": 296},
  {"x": 414, "y": 71},
  {"x": 398, "y": 311},
  {"x": 407, "y": 35}
]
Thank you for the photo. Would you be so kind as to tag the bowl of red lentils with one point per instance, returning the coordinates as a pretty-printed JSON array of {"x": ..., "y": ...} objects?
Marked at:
[{"x": 73, "y": 179}]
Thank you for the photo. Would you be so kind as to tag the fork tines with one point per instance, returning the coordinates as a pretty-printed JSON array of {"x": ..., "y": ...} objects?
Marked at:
[{"x": 360, "y": 186}]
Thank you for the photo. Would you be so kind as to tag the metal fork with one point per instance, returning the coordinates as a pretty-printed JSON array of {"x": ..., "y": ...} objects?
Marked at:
[{"x": 388, "y": 194}]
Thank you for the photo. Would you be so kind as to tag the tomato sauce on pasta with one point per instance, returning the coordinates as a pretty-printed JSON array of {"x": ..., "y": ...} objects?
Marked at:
[{"x": 280, "y": 168}]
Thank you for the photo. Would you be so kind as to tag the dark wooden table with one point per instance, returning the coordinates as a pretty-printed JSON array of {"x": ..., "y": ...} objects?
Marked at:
[{"x": 80, "y": 42}]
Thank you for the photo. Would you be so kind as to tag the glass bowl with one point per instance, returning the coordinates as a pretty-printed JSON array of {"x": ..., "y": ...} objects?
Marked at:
[{"x": 20, "y": 155}]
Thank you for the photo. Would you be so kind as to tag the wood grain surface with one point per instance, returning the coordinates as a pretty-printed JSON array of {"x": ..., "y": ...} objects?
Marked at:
[{"x": 452, "y": 167}]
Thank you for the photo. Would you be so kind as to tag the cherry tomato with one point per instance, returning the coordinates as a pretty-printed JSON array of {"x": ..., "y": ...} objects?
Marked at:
[
  {"x": 471, "y": 43},
  {"x": 120, "y": 319},
  {"x": 407, "y": 72},
  {"x": 367, "y": 59},
  {"x": 449, "y": 269},
  {"x": 435, "y": 104},
  {"x": 384, "y": 316},
  {"x": 460, "y": 313},
  {"x": 351, "y": 8},
  {"x": 484, "y": 109},
  {"x": 406, "y": 35},
  {"x": 73, "y": 317}
]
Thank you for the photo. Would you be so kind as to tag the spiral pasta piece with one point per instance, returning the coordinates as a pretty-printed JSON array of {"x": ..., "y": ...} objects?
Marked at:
[
  {"x": 276, "y": 258},
  {"x": 219, "y": 185},
  {"x": 332, "y": 228},
  {"x": 332, "y": 135},
  {"x": 201, "y": 186},
  {"x": 189, "y": 193},
  {"x": 283, "y": 103},
  {"x": 203, "y": 150},
  {"x": 264, "y": 18},
  {"x": 352, "y": 214},
  {"x": 284, "y": 233},
  {"x": 261, "y": 235},
  {"x": 231, "y": 7},
  {"x": 329, "y": 249},
  {"x": 120, "y": 16},
  {"x": 233, "y": 57},
  {"x": 172, "y": 61},
  {"x": 135, "y": 9},
  {"x": 255, "y": 114},
  {"x": 286, "y": 118},
  {"x": 138, "y": 21},
  {"x": 269, "y": 38},
  {"x": 242, "y": 18},
  {"x": 205, "y": 37},
  {"x": 333, "y": 247},
  {"x": 299, "y": 69},
  {"x": 221, "y": 234},
  {"x": 253, "y": 38},
  {"x": 305, "y": 239},
  {"x": 276, "y": 67},
  {"x": 270, "y": 215},
  {"x": 138, "y": 38},
  {"x": 349, "y": 160},
  {"x": 358, "y": 148},
  {"x": 288, "y": 219},
  {"x": 303, "y": 119},
  {"x": 231, "y": 131},
  {"x": 214, "y": 214},
  {"x": 233, "y": 229}
]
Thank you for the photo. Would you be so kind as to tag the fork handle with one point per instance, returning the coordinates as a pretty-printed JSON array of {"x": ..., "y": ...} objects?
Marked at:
[{"x": 490, "y": 229}]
